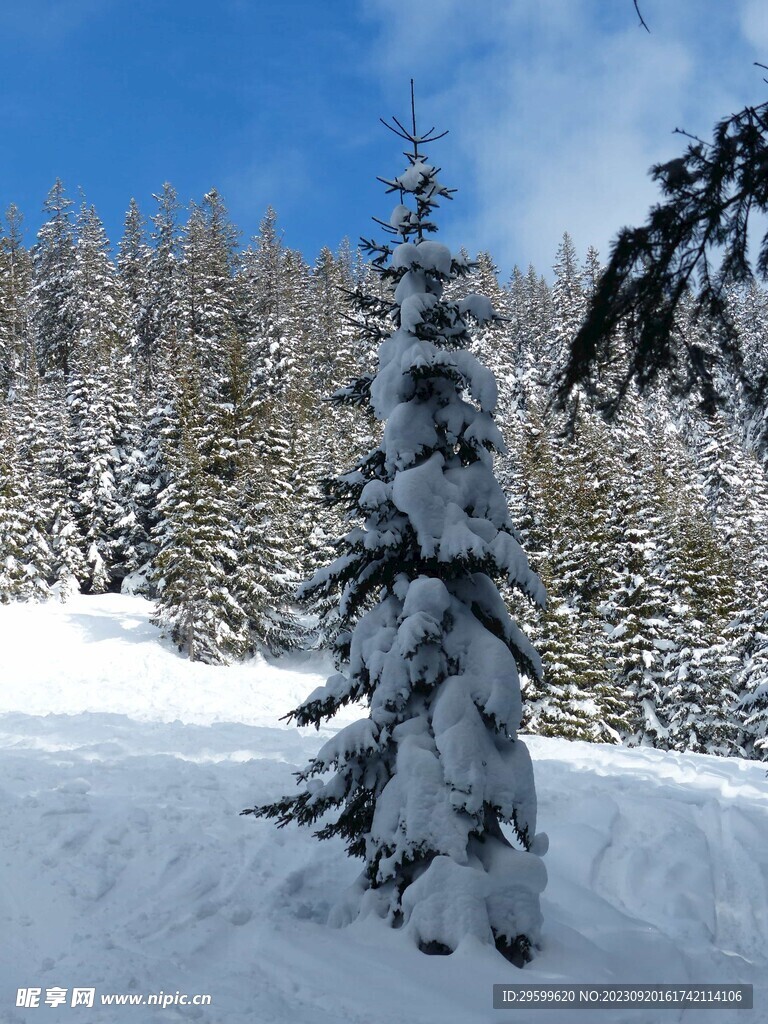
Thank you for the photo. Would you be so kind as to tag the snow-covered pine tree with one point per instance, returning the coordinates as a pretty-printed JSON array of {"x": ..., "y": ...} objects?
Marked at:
[
  {"x": 571, "y": 537},
  {"x": 262, "y": 285},
  {"x": 99, "y": 400},
  {"x": 163, "y": 288},
  {"x": 25, "y": 417},
  {"x": 422, "y": 786},
  {"x": 196, "y": 565},
  {"x": 265, "y": 585},
  {"x": 134, "y": 261},
  {"x": 274, "y": 317},
  {"x": 567, "y": 300},
  {"x": 162, "y": 317},
  {"x": 16, "y": 347},
  {"x": 537, "y": 299},
  {"x": 494, "y": 345},
  {"x": 590, "y": 273},
  {"x": 53, "y": 260},
  {"x": 753, "y": 679},
  {"x": 699, "y": 695},
  {"x": 206, "y": 292},
  {"x": 24, "y": 557},
  {"x": 48, "y": 452},
  {"x": 333, "y": 436}
]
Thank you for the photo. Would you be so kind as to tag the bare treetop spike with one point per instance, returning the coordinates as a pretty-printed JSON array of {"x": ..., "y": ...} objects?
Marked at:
[{"x": 412, "y": 136}]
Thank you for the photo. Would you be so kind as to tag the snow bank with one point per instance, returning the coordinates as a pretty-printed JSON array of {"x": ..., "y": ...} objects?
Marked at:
[
  {"x": 103, "y": 654},
  {"x": 127, "y": 866}
]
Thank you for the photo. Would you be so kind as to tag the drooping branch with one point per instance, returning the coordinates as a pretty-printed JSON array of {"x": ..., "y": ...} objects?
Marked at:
[{"x": 693, "y": 245}]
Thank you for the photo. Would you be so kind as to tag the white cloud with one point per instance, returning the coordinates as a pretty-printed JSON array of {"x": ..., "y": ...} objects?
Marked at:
[
  {"x": 754, "y": 25},
  {"x": 557, "y": 109}
]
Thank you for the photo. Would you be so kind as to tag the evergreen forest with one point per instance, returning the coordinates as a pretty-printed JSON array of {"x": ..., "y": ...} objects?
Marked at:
[{"x": 165, "y": 430}]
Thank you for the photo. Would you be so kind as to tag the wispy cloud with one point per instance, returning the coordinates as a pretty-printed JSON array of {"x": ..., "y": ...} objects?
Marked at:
[
  {"x": 754, "y": 25},
  {"x": 557, "y": 109},
  {"x": 281, "y": 178}
]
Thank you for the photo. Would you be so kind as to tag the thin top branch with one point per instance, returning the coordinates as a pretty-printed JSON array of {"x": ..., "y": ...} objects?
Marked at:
[{"x": 412, "y": 136}]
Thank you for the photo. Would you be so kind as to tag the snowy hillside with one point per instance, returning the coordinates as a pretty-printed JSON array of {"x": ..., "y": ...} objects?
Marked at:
[{"x": 128, "y": 869}]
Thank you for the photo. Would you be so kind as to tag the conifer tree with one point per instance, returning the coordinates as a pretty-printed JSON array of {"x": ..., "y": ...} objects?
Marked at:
[
  {"x": 99, "y": 400},
  {"x": 567, "y": 299},
  {"x": 27, "y": 421},
  {"x": 133, "y": 261},
  {"x": 206, "y": 291},
  {"x": 197, "y": 606},
  {"x": 699, "y": 694},
  {"x": 752, "y": 681},
  {"x": 331, "y": 436},
  {"x": 493, "y": 342},
  {"x": 162, "y": 344},
  {"x": 24, "y": 556},
  {"x": 163, "y": 325},
  {"x": 539, "y": 315},
  {"x": 53, "y": 259},
  {"x": 163, "y": 278},
  {"x": 693, "y": 247},
  {"x": 640, "y": 608},
  {"x": 567, "y": 491},
  {"x": 274, "y": 318},
  {"x": 591, "y": 271},
  {"x": 265, "y": 582},
  {"x": 50, "y": 464},
  {"x": 423, "y": 785},
  {"x": 262, "y": 302},
  {"x": 16, "y": 343}
]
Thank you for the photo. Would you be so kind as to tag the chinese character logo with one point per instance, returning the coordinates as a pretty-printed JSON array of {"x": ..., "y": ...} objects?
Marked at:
[
  {"x": 82, "y": 996},
  {"x": 28, "y": 997},
  {"x": 55, "y": 996}
]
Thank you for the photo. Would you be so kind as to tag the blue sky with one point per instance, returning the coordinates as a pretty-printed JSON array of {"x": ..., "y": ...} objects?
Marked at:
[{"x": 556, "y": 108}]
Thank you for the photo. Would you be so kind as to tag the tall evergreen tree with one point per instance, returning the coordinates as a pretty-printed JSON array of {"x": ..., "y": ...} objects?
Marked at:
[
  {"x": 752, "y": 681},
  {"x": 639, "y": 609},
  {"x": 700, "y": 697},
  {"x": 164, "y": 292},
  {"x": 16, "y": 342},
  {"x": 53, "y": 260},
  {"x": 423, "y": 785},
  {"x": 276, "y": 318},
  {"x": 265, "y": 583},
  {"x": 51, "y": 466},
  {"x": 134, "y": 262},
  {"x": 24, "y": 555},
  {"x": 263, "y": 302},
  {"x": 567, "y": 299},
  {"x": 163, "y": 346},
  {"x": 99, "y": 400},
  {"x": 573, "y": 543},
  {"x": 207, "y": 291},
  {"x": 197, "y": 606}
]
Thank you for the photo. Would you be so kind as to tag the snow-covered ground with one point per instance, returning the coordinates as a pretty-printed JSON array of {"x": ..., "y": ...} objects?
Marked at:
[{"x": 127, "y": 868}]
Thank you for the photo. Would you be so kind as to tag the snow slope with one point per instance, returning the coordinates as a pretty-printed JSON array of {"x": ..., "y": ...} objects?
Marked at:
[{"x": 127, "y": 868}]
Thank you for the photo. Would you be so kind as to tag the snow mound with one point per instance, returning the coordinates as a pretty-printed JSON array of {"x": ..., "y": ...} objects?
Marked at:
[{"x": 128, "y": 868}]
